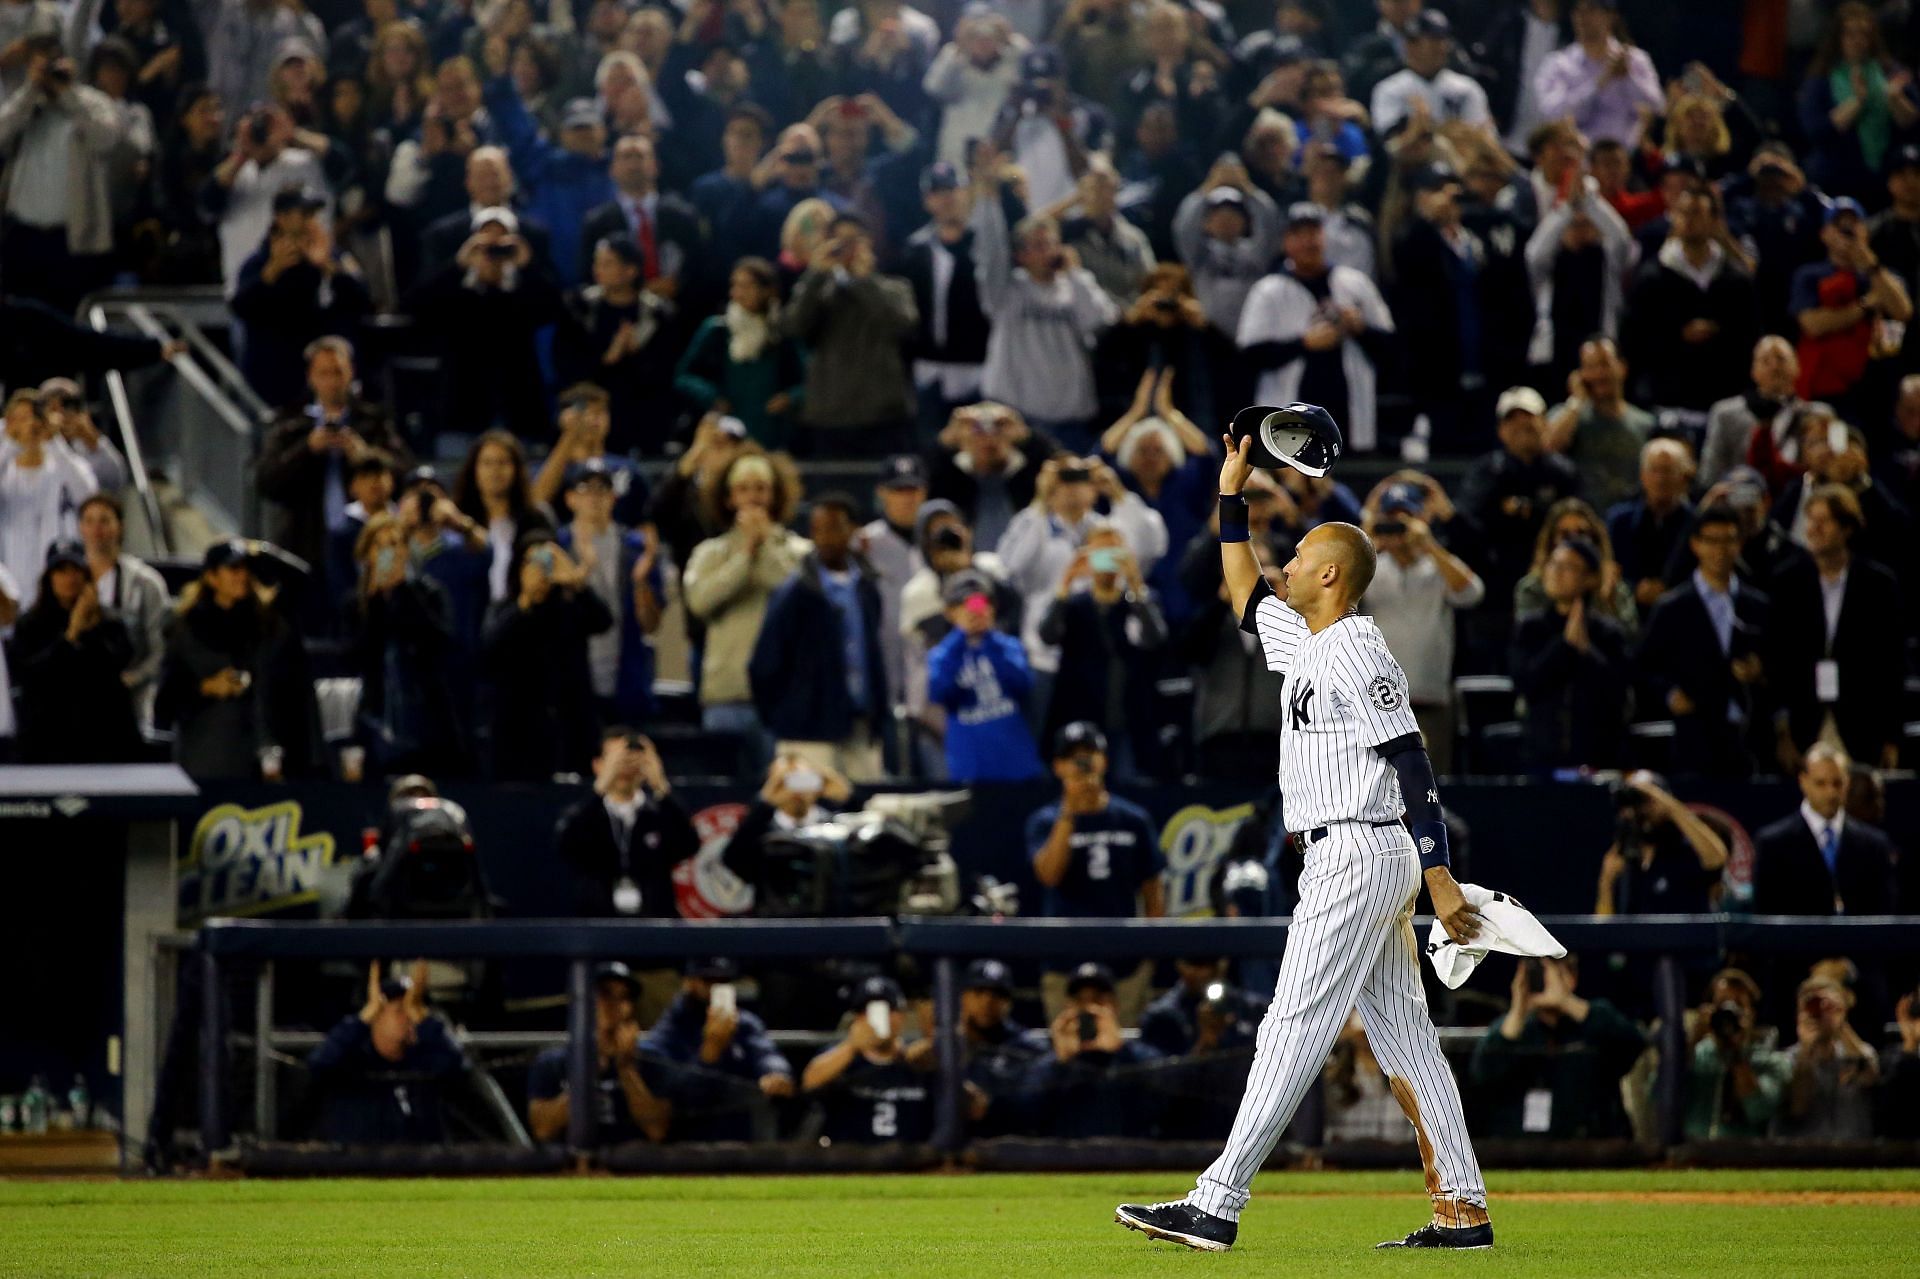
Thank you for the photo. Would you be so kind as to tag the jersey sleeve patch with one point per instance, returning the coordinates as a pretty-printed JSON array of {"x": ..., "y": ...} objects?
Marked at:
[{"x": 1385, "y": 694}]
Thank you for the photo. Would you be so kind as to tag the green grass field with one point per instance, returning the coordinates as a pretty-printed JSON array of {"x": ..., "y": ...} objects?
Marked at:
[{"x": 1769, "y": 1225}]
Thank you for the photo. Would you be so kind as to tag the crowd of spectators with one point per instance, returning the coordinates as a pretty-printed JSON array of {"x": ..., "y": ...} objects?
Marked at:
[{"x": 1618, "y": 298}]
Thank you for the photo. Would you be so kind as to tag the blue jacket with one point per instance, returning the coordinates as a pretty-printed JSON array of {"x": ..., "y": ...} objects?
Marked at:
[
  {"x": 798, "y": 671},
  {"x": 983, "y": 685},
  {"x": 560, "y": 188},
  {"x": 367, "y": 1099},
  {"x": 633, "y": 683}
]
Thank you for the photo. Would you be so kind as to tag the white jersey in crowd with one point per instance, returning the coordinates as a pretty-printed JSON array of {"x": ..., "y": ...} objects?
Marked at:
[
  {"x": 39, "y": 505},
  {"x": 1345, "y": 695}
]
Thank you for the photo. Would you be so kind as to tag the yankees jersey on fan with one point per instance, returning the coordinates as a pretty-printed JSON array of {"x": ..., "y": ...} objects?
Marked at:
[{"x": 1345, "y": 695}]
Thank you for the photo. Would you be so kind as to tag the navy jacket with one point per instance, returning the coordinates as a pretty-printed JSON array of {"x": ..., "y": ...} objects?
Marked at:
[
  {"x": 367, "y": 1099},
  {"x": 798, "y": 671}
]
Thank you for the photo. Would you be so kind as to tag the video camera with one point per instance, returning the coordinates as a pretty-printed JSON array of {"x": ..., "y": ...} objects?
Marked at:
[{"x": 890, "y": 858}]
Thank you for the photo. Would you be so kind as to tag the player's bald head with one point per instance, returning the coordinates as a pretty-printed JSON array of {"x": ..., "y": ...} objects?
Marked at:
[{"x": 1347, "y": 547}]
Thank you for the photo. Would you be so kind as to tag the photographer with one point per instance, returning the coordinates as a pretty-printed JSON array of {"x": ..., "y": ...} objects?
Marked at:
[
  {"x": 789, "y": 799},
  {"x": 400, "y": 634},
  {"x": 877, "y": 1087},
  {"x": 1074, "y": 1087},
  {"x": 57, "y": 141},
  {"x": 1201, "y": 1014},
  {"x": 718, "y": 1066},
  {"x": 585, "y": 420},
  {"x": 978, "y": 676},
  {"x": 487, "y": 306},
  {"x": 1552, "y": 1066},
  {"x": 380, "y": 1075},
  {"x": 1736, "y": 1080},
  {"x": 1108, "y": 635},
  {"x": 1097, "y": 856},
  {"x": 1046, "y": 129},
  {"x": 1899, "y": 1116},
  {"x": 239, "y": 195},
  {"x": 1664, "y": 859},
  {"x": 623, "y": 843},
  {"x": 535, "y": 647},
  {"x": 625, "y": 1108},
  {"x": 853, "y": 321},
  {"x": 296, "y": 287},
  {"x": 1830, "y": 1094},
  {"x": 988, "y": 465}
]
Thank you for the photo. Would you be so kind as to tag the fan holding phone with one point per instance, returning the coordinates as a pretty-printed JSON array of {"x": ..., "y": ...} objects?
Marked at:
[{"x": 873, "y": 1084}]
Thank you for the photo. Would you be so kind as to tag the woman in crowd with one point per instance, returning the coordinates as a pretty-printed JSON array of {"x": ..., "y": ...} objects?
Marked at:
[
  {"x": 617, "y": 335},
  {"x": 728, "y": 581},
  {"x": 1571, "y": 517},
  {"x": 234, "y": 683},
  {"x": 400, "y": 633},
  {"x": 1854, "y": 105},
  {"x": 1161, "y": 455},
  {"x": 399, "y": 80},
  {"x": 1165, "y": 328},
  {"x": 739, "y": 363},
  {"x": 495, "y": 491},
  {"x": 536, "y": 653},
  {"x": 181, "y": 246},
  {"x": 68, "y": 658}
]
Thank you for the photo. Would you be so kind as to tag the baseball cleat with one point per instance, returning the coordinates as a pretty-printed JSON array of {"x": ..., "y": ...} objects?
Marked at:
[
  {"x": 1433, "y": 1236},
  {"x": 1179, "y": 1222}
]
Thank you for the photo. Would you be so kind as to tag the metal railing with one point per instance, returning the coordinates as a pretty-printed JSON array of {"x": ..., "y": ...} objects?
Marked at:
[
  {"x": 204, "y": 421},
  {"x": 948, "y": 943}
]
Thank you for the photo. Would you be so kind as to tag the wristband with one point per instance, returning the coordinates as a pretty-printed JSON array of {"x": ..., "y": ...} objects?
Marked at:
[
  {"x": 1234, "y": 519},
  {"x": 1430, "y": 839}
]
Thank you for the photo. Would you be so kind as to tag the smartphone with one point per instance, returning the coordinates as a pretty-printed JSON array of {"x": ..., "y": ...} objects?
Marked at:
[
  {"x": 1106, "y": 559},
  {"x": 1075, "y": 475},
  {"x": 1089, "y": 1028},
  {"x": 1388, "y": 528},
  {"x": 804, "y": 781},
  {"x": 543, "y": 556},
  {"x": 880, "y": 1017},
  {"x": 259, "y": 129},
  {"x": 724, "y": 998},
  {"x": 384, "y": 560},
  {"x": 500, "y": 249},
  {"x": 1536, "y": 975},
  {"x": 1837, "y": 436}
]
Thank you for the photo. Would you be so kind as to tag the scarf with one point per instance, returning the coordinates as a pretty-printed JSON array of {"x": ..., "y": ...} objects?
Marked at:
[
  {"x": 1874, "y": 127},
  {"x": 747, "y": 333}
]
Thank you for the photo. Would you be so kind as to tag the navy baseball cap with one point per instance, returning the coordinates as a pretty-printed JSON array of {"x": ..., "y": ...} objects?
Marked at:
[
  {"x": 939, "y": 177},
  {"x": 717, "y": 968},
  {"x": 1302, "y": 436},
  {"x": 67, "y": 552},
  {"x": 1431, "y": 177},
  {"x": 878, "y": 987},
  {"x": 1430, "y": 24},
  {"x": 1081, "y": 735},
  {"x": 988, "y": 974},
  {"x": 419, "y": 475},
  {"x": 1586, "y": 550},
  {"x": 1904, "y": 157},
  {"x": 904, "y": 471},
  {"x": 1090, "y": 973},
  {"x": 1842, "y": 207},
  {"x": 582, "y": 113},
  {"x": 1305, "y": 213},
  {"x": 614, "y": 970},
  {"x": 223, "y": 554},
  {"x": 1040, "y": 64},
  {"x": 295, "y": 197},
  {"x": 593, "y": 470},
  {"x": 1402, "y": 499}
]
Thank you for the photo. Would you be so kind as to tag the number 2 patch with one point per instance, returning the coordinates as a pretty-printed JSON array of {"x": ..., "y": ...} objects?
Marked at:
[{"x": 1384, "y": 693}]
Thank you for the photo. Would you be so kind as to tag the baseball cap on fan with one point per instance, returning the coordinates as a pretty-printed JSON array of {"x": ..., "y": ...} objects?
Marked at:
[{"x": 1519, "y": 399}]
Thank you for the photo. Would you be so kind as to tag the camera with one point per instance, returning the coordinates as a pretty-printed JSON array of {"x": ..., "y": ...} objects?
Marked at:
[
  {"x": 1075, "y": 475},
  {"x": 1388, "y": 528},
  {"x": 1727, "y": 1020},
  {"x": 1089, "y": 1028},
  {"x": 499, "y": 250},
  {"x": 60, "y": 71},
  {"x": 1166, "y": 305},
  {"x": 259, "y": 129},
  {"x": 949, "y": 538}
]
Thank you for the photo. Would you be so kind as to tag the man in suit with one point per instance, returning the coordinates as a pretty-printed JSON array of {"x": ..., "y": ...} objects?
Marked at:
[
  {"x": 666, "y": 227},
  {"x": 1820, "y": 861},
  {"x": 1834, "y": 648},
  {"x": 1701, "y": 652},
  {"x": 490, "y": 185},
  {"x": 621, "y": 844}
]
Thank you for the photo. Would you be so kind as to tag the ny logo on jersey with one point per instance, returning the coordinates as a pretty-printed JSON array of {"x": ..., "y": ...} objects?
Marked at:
[{"x": 1300, "y": 703}]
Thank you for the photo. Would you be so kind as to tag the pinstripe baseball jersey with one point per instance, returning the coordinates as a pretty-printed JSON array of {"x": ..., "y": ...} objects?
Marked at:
[{"x": 1345, "y": 695}]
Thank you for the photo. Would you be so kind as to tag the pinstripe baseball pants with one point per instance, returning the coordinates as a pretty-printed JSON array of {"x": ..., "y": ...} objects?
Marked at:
[{"x": 1352, "y": 943}]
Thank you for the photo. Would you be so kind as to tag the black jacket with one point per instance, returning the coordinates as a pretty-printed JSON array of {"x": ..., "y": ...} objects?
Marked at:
[
  {"x": 1091, "y": 639},
  {"x": 799, "y": 669},
  {"x": 1867, "y": 645},
  {"x": 967, "y": 327},
  {"x": 543, "y": 710},
  {"x": 73, "y": 707},
  {"x": 1498, "y": 52},
  {"x": 675, "y": 223},
  {"x": 1671, "y": 372},
  {"x": 283, "y": 315},
  {"x": 490, "y": 371},
  {"x": 1790, "y": 877},
  {"x": 401, "y": 645},
  {"x": 662, "y": 837},
  {"x": 1505, "y": 538},
  {"x": 441, "y": 242},
  {"x": 221, "y": 739},
  {"x": 641, "y": 414},
  {"x": 366, "y": 1099},
  {"x": 37, "y": 342},
  {"x": 1681, "y": 650},
  {"x": 294, "y": 478},
  {"x": 1576, "y": 702}
]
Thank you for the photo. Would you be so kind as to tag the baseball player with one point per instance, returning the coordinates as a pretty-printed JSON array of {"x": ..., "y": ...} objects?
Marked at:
[{"x": 1351, "y": 766}]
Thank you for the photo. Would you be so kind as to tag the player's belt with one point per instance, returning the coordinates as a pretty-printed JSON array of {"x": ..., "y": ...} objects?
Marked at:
[{"x": 1308, "y": 838}]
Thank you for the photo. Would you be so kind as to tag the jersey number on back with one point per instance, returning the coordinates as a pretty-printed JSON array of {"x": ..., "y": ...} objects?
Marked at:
[
  {"x": 886, "y": 1119},
  {"x": 1099, "y": 862}
]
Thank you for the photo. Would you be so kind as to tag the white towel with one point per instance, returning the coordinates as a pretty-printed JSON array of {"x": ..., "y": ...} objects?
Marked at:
[{"x": 1505, "y": 926}]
